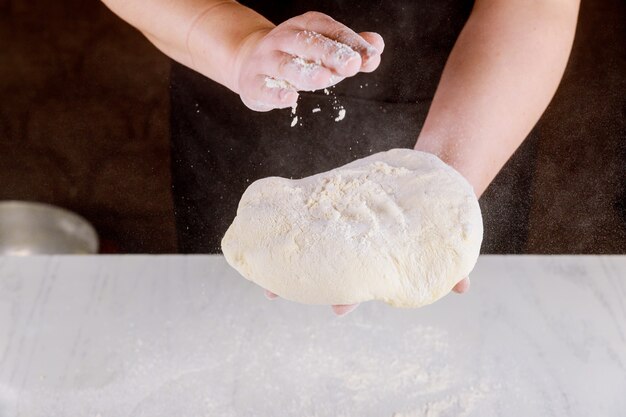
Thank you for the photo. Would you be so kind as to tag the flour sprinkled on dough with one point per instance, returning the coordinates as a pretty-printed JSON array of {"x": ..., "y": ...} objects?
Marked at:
[{"x": 399, "y": 226}]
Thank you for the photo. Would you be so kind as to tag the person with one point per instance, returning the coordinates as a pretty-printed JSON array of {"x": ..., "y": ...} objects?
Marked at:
[{"x": 468, "y": 80}]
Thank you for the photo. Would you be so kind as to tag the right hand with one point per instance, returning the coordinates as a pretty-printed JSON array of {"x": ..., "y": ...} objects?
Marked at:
[
  {"x": 342, "y": 309},
  {"x": 308, "y": 52},
  {"x": 462, "y": 286}
]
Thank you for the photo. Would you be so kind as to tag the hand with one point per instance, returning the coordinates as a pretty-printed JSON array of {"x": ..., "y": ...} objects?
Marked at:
[
  {"x": 343, "y": 309},
  {"x": 462, "y": 286},
  {"x": 308, "y": 52},
  {"x": 338, "y": 309}
]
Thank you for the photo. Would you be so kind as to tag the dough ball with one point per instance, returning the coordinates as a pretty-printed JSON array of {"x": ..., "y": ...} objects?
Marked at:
[{"x": 399, "y": 226}]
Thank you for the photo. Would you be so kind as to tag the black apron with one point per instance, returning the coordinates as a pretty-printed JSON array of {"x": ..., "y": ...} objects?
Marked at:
[{"x": 219, "y": 146}]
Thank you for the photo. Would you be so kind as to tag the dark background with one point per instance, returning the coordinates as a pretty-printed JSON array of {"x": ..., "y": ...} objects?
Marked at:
[{"x": 84, "y": 111}]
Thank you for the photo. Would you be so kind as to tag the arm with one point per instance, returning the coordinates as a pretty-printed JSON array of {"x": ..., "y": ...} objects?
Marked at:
[
  {"x": 500, "y": 76},
  {"x": 240, "y": 49}
]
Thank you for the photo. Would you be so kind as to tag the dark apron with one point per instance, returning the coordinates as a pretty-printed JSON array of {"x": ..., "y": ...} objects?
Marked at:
[{"x": 220, "y": 147}]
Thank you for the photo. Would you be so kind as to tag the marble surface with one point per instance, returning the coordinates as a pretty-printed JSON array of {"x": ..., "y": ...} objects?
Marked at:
[{"x": 187, "y": 336}]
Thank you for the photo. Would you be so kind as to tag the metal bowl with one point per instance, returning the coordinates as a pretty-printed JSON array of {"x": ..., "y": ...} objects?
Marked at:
[{"x": 41, "y": 229}]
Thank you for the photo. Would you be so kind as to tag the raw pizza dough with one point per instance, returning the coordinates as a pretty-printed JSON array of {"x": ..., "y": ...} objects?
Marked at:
[{"x": 399, "y": 226}]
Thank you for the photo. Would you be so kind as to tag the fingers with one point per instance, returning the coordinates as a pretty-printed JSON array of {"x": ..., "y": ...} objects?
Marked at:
[
  {"x": 298, "y": 72},
  {"x": 462, "y": 286},
  {"x": 330, "y": 28},
  {"x": 343, "y": 309},
  {"x": 339, "y": 309},
  {"x": 309, "y": 52},
  {"x": 377, "y": 42},
  {"x": 319, "y": 38},
  {"x": 280, "y": 76},
  {"x": 266, "y": 93},
  {"x": 314, "y": 47},
  {"x": 270, "y": 295}
]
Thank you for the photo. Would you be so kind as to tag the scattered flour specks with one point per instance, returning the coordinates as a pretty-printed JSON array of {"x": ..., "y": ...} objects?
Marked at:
[
  {"x": 341, "y": 115},
  {"x": 458, "y": 404},
  {"x": 350, "y": 367},
  {"x": 306, "y": 67}
]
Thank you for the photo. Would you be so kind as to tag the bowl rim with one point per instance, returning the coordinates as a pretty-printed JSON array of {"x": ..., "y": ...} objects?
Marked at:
[{"x": 93, "y": 239}]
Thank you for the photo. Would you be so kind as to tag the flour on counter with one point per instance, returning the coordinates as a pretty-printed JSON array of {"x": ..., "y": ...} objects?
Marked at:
[
  {"x": 211, "y": 358},
  {"x": 410, "y": 371},
  {"x": 8, "y": 400},
  {"x": 459, "y": 404}
]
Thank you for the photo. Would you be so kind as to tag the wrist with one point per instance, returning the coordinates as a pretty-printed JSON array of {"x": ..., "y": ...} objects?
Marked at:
[
  {"x": 244, "y": 48},
  {"x": 450, "y": 152},
  {"x": 219, "y": 36}
]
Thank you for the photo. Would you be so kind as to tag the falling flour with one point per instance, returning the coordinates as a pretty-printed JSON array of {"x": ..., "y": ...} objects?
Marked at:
[
  {"x": 341, "y": 52},
  {"x": 294, "y": 120}
]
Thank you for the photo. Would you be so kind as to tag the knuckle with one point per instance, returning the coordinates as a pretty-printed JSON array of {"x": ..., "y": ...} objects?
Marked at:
[
  {"x": 313, "y": 16},
  {"x": 342, "y": 34},
  {"x": 283, "y": 66}
]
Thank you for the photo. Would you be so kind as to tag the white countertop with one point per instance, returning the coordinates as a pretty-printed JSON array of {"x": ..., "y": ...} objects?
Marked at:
[{"x": 186, "y": 336}]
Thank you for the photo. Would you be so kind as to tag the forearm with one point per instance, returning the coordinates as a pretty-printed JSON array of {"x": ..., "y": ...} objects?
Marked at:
[
  {"x": 204, "y": 35},
  {"x": 499, "y": 78}
]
